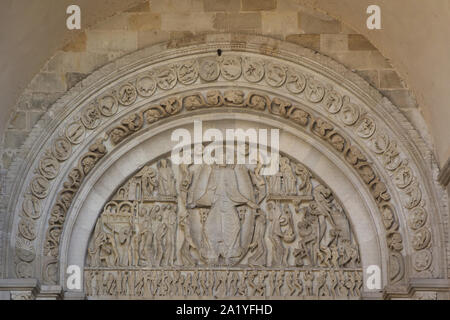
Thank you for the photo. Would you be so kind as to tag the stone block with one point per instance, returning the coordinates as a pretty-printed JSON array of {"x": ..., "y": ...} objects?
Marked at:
[
  {"x": 333, "y": 42},
  {"x": 84, "y": 62},
  {"x": 345, "y": 29},
  {"x": 402, "y": 98},
  {"x": 314, "y": 24},
  {"x": 187, "y": 21},
  {"x": 77, "y": 44},
  {"x": 14, "y": 139},
  {"x": 72, "y": 78},
  {"x": 7, "y": 159},
  {"x": 142, "y": 7},
  {"x": 258, "y": 5},
  {"x": 279, "y": 23},
  {"x": 48, "y": 82},
  {"x": 311, "y": 41},
  {"x": 389, "y": 79},
  {"x": 144, "y": 21},
  {"x": 38, "y": 101},
  {"x": 33, "y": 118},
  {"x": 179, "y": 6},
  {"x": 371, "y": 76},
  {"x": 222, "y": 5},
  {"x": 18, "y": 120},
  {"x": 106, "y": 41},
  {"x": 362, "y": 60},
  {"x": 359, "y": 42},
  {"x": 149, "y": 37},
  {"x": 239, "y": 21},
  {"x": 116, "y": 22}
]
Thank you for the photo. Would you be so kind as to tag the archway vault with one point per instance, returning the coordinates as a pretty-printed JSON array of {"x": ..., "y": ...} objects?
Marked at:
[{"x": 327, "y": 108}]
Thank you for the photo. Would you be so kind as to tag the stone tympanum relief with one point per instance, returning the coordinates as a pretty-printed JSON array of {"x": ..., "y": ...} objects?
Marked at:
[
  {"x": 290, "y": 84},
  {"x": 223, "y": 231}
]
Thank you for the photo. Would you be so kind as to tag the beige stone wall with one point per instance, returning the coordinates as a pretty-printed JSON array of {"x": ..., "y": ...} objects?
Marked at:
[{"x": 174, "y": 20}]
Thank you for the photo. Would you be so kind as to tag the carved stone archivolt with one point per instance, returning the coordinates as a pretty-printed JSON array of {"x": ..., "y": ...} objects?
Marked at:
[
  {"x": 223, "y": 231},
  {"x": 349, "y": 127}
]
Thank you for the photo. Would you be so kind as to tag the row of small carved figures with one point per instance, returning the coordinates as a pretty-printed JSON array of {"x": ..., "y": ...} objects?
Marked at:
[{"x": 261, "y": 283}]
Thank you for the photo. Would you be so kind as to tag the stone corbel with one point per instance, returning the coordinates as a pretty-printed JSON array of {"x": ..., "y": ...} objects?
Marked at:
[
  {"x": 74, "y": 295},
  {"x": 19, "y": 289},
  {"x": 420, "y": 289},
  {"x": 28, "y": 289}
]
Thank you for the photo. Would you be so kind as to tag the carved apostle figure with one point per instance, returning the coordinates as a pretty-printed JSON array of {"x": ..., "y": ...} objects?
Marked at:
[{"x": 166, "y": 178}]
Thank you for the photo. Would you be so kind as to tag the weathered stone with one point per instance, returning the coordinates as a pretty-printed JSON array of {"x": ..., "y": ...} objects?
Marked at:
[
  {"x": 18, "y": 121},
  {"x": 15, "y": 139},
  {"x": 171, "y": 6},
  {"x": 83, "y": 62},
  {"x": 390, "y": 79},
  {"x": 187, "y": 21},
  {"x": 7, "y": 159},
  {"x": 180, "y": 39},
  {"x": 345, "y": 29},
  {"x": 401, "y": 98},
  {"x": 116, "y": 22},
  {"x": 145, "y": 21},
  {"x": 279, "y": 23},
  {"x": 104, "y": 41},
  {"x": 72, "y": 78},
  {"x": 38, "y": 101},
  {"x": 34, "y": 117},
  {"x": 258, "y": 5},
  {"x": 240, "y": 21},
  {"x": 48, "y": 82},
  {"x": 222, "y": 5},
  {"x": 142, "y": 7},
  {"x": 361, "y": 59},
  {"x": 359, "y": 42},
  {"x": 370, "y": 76},
  {"x": 311, "y": 41},
  {"x": 77, "y": 44},
  {"x": 149, "y": 37},
  {"x": 312, "y": 24},
  {"x": 333, "y": 42}
]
